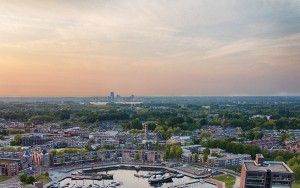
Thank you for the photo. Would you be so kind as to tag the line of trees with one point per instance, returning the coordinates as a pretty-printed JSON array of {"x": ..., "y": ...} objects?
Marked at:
[
  {"x": 233, "y": 147},
  {"x": 173, "y": 151}
]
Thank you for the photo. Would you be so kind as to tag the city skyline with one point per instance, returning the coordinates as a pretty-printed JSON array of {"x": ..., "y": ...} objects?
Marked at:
[{"x": 149, "y": 48}]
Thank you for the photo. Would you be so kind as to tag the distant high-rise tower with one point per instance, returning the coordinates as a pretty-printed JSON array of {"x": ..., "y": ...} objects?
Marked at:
[{"x": 112, "y": 95}]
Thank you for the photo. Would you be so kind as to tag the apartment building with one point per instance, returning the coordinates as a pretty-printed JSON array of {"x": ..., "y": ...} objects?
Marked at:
[
  {"x": 9, "y": 167},
  {"x": 265, "y": 174},
  {"x": 228, "y": 159},
  {"x": 106, "y": 156}
]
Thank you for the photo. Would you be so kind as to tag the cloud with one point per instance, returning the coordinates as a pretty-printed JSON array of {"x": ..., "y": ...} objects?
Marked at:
[{"x": 170, "y": 46}]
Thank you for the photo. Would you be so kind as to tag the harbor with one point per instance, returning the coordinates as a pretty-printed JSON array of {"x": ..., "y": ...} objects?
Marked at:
[
  {"x": 146, "y": 174},
  {"x": 147, "y": 167},
  {"x": 128, "y": 178}
]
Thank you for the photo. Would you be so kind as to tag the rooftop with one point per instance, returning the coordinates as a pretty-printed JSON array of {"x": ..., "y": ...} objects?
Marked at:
[
  {"x": 274, "y": 166},
  {"x": 229, "y": 156}
]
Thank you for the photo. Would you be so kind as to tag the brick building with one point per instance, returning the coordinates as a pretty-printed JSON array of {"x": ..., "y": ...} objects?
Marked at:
[{"x": 9, "y": 167}]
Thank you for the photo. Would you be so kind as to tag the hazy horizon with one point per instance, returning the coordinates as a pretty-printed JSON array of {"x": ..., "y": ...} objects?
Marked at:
[
  {"x": 149, "y": 48},
  {"x": 153, "y": 95}
]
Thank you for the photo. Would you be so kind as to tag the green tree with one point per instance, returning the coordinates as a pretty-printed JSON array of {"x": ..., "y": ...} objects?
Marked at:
[
  {"x": 137, "y": 157},
  {"x": 204, "y": 135},
  {"x": 203, "y": 121},
  {"x": 285, "y": 137},
  {"x": 172, "y": 153},
  {"x": 23, "y": 178},
  {"x": 195, "y": 157},
  {"x": 206, "y": 151},
  {"x": 296, "y": 170},
  {"x": 16, "y": 141},
  {"x": 279, "y": 158},
  {"x": 205, "y": 158},
  {"x": 136, "y": 124},
  {"x": 177, "y": 151},
  {"x": 30, "y": 180}
]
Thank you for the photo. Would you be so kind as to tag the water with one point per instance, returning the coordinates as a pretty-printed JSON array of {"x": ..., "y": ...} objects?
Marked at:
[{"x": 128, "y": 180}]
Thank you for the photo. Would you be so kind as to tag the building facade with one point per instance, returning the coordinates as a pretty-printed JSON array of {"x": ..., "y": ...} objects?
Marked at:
[
  {"x": 9, "y": 167},
  {"x": 144, "y": 156},
  {"x": 229, "y": 160},
  {"x": 269, "y": 174}
]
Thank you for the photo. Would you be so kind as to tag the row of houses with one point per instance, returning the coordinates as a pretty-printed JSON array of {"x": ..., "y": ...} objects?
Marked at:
[
  {"x": 144, "y": 156},
  {"x": 14, "y": 161},
  {"x": 9, "y": 167},
  {"x": 218, "y": 132}
]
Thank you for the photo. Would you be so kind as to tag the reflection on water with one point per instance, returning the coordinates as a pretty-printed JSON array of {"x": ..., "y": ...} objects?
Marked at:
[{"x": 128, "y": 180}]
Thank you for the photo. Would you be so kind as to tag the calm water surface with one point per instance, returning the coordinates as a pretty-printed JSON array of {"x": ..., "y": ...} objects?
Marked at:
[{"x": 128, "y": 180}]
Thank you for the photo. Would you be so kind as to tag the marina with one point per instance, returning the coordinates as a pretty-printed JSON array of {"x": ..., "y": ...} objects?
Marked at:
[
  {"x": 128, "y": 175},
  {"x": 128, "y": 179}
]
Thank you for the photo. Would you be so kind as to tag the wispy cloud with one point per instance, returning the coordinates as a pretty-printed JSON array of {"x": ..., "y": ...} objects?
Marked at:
[{"x": 173, "y": 47}]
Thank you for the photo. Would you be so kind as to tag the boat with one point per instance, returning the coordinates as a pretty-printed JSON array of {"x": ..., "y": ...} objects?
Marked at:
[
  {"x": 76, "y": 178},
  {"x": 155, "y": 179},
  {"x": 107, "y": 176},
  {"x": 167, "y": 178},
  {"x": 179, "y": 175},
  {"x": 147, "y": 175},
  {"x": 160, "y": 179},
  {"x": 157, "y": 173},
  {"x": 55, "y": 185},
  {"x": 115, "y": 183}
]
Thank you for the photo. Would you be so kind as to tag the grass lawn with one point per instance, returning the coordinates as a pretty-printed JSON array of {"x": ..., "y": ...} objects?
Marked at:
[
  {"x": 227, "y": 179},
  {"x": 3, "y": 178},
  {"x": 296, "y": 185},
  {"x": 43, "y": 178}
]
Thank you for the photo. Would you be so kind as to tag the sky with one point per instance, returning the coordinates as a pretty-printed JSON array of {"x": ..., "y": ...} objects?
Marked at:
[{"x": 142, "y": 47}]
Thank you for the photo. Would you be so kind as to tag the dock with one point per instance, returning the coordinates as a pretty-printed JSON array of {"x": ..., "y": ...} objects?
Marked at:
[
  {"x": 143, "y": 167},
  {"x": 189, "y": 184},
  {"x": 87, "y": 177}
]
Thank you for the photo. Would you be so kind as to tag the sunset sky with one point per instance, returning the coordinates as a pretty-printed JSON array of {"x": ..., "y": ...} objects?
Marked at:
[{"x": 149, "y": 47}]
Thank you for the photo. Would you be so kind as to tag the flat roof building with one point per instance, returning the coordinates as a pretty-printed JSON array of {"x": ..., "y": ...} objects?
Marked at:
[{"x": 265, "y": 174}]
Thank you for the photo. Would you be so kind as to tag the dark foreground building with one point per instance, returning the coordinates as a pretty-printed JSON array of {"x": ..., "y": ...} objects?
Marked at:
[{"x": 265, "y": 174}]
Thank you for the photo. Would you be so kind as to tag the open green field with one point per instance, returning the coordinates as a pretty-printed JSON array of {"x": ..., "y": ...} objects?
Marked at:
[
  {"x": 227, "y": 179},
  {"x": 3, "y": 178},
  {"x": 43, "y": 178},
  {"x": 296, "y": 185}
]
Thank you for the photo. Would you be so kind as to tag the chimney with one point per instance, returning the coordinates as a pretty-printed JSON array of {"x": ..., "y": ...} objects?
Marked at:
[{"x": 259, "y": 159}]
